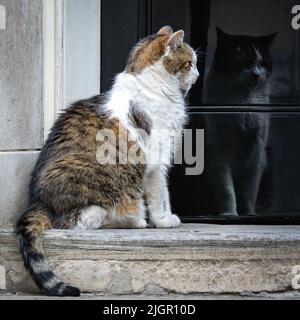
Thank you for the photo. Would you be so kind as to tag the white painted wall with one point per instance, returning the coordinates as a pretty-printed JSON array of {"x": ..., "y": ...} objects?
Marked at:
[
  {"x": 2, "y": 17},
  {"x": 82, "y": 49}
]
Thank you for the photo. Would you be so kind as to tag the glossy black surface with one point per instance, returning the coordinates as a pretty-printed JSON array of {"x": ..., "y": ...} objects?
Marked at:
[
  {"x": 125, "y": 22},
  {"x": 194, "y": 197}
]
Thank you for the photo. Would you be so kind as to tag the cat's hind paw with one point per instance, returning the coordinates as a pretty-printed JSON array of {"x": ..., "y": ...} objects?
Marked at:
[{"x": 140, "y": 224}]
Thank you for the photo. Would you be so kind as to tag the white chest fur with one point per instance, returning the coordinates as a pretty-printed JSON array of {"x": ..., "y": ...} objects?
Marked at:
[
  {"x": 157, "y": 94},
  {"x": 167, "y": 126}
]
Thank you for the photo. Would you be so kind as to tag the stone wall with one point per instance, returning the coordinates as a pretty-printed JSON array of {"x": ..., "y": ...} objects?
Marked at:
[{"x": 21, "y": 101}]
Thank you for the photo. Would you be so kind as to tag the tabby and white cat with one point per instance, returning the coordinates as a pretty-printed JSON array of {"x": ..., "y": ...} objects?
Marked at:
[
  {"x": 239, "y": 75},
  {"x": 70, "y": 189}
]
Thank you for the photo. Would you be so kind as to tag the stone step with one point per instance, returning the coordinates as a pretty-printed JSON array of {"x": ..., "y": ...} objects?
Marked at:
[
  {"x": 289, "y": 295},
  {"x": 191, "y": 260}
]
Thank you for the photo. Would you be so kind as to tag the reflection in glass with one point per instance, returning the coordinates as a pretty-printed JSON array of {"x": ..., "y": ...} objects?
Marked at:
[
  {"x": 255, "y": 18},
  {"x": 279, "y": 189}
]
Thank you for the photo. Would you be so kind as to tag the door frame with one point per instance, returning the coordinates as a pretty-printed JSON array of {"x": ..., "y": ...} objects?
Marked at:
[{"x": 57, "y": 38}]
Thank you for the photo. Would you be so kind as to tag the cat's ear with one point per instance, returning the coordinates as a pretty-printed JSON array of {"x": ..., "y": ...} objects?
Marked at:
[
  {"x": 176, "y": 40},
  {"x": 165, "y": 31}
]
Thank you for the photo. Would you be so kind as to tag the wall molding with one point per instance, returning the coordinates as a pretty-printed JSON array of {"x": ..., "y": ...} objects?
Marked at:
[
  {"x": 71, "y": 54},
  {"x": 2, "y": 18},
  {"x": 54, "y": 60}
]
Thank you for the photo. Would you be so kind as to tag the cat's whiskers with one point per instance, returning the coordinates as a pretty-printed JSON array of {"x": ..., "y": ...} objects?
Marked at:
[{"x": 200, "y": 54}]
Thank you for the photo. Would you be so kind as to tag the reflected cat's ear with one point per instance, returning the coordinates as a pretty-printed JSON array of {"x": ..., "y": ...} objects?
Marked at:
[
  {"x": 268, "y": 40},
  {"x": 176, "y": 39},
  {"x": 222, "y": 36},
  {"x": 165, "y": 31}
]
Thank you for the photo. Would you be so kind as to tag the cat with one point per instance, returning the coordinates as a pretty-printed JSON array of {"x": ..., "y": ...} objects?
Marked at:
[
  {"x": 237, "y": 142},
  {"x": 72, "y": 189}
]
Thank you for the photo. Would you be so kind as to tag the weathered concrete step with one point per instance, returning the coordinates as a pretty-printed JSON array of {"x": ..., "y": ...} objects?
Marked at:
[
  {"x": 289, "y": 295},
  {"x": 193, "y": 259}
]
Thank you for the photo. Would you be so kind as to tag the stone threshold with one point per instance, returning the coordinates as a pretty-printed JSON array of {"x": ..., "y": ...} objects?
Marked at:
[
  {"x": 191, "y": 260},
  {"x": 289, "y": 295}
]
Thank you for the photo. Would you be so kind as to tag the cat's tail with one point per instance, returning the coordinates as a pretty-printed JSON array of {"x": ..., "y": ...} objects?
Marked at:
[{"x": 30, "y": 228}]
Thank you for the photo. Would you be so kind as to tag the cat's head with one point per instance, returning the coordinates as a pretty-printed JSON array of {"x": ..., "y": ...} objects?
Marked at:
[
  {"x": 244, "y": 57},
  {"x": 166, "y": 50}
]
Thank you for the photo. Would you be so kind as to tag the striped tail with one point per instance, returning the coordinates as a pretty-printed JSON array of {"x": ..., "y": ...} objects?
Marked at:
[{"x": 30, "y": 228}]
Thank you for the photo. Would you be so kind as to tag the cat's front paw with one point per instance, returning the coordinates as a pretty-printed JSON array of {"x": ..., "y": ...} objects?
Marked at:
[
  {"x": 169, "y": 221},
  {"x": 229, "y": 214}
]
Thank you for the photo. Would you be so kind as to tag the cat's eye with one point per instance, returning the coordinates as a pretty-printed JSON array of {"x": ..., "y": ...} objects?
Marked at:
[{"x": 189, "y": 64}]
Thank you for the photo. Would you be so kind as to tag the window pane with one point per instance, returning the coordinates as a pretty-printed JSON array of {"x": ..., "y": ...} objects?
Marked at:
[
  {"x": 122, "y": 26},
  {"x": 232, "y": 143},
  {"x": 238, "y": 70}
]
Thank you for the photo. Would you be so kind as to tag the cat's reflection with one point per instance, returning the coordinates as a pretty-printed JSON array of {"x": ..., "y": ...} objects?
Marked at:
[{"x": 239, "y": 75}]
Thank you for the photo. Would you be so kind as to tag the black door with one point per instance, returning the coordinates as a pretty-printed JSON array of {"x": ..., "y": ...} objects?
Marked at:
[{"x": 193, "y": 197}]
